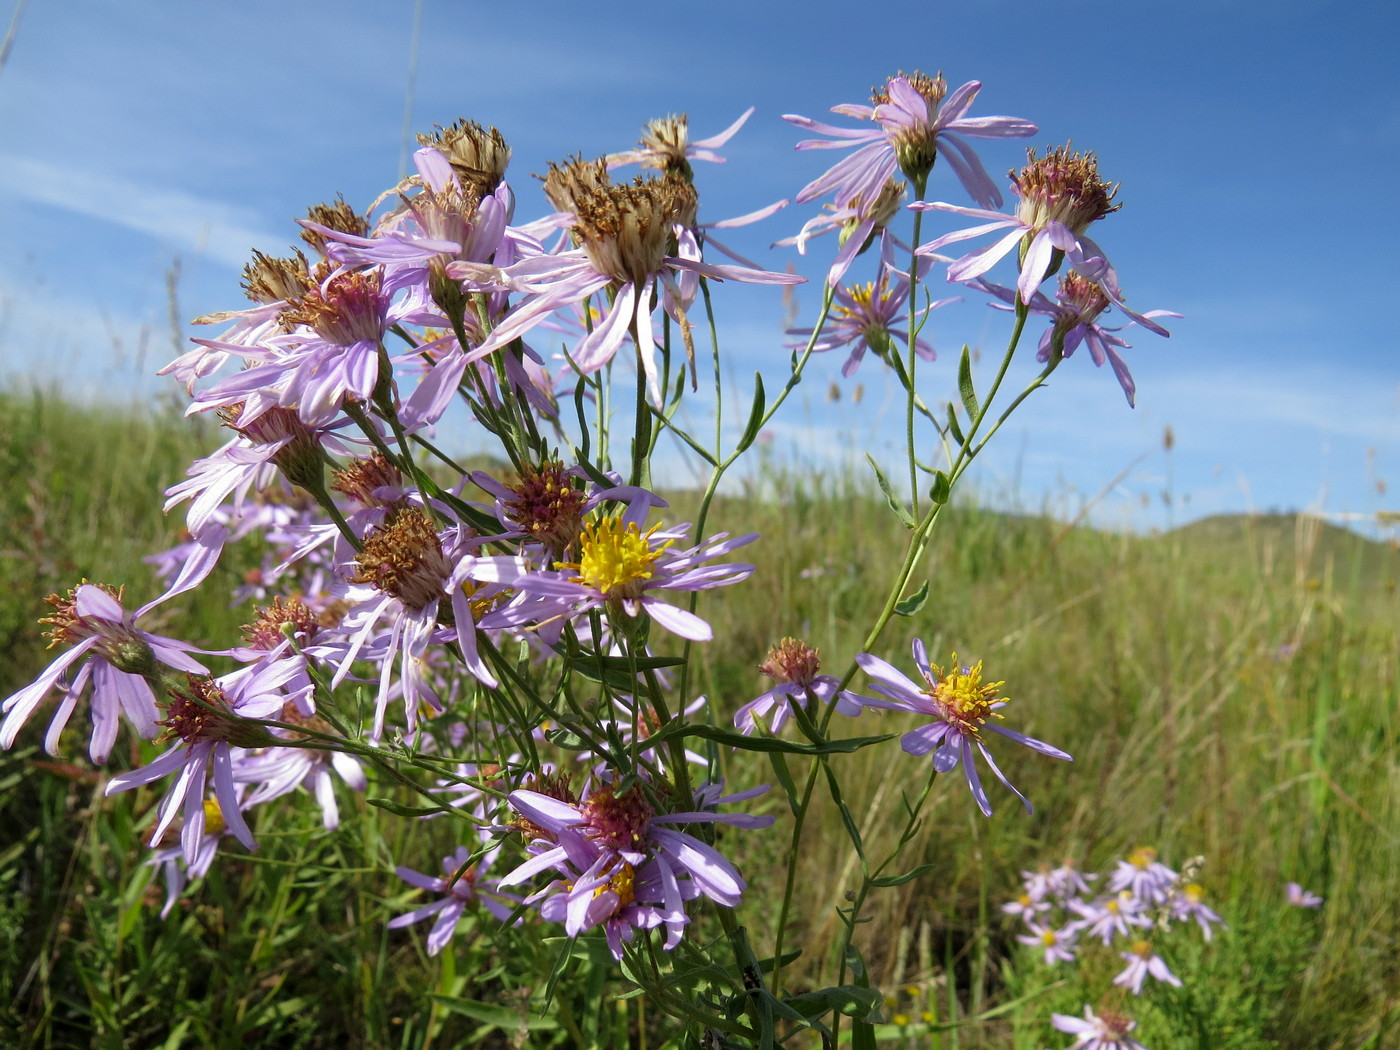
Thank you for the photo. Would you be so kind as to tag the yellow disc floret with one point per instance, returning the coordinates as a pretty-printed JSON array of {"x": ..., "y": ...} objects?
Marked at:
[
  {"x": 622, "y": 883},
  {"x": 964, "y": 697},
  {"x": 615, "y": 559}
]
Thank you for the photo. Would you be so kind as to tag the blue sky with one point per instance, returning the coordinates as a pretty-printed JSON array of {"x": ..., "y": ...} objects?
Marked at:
[{"x": 1250, "y": 138}]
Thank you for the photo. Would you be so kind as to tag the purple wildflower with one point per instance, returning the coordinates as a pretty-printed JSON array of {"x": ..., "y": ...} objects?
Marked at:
[
  {"x": 867, "y": 317},
  {"x": 794, "y": 666},
  {"x": 208, "y": 720},
  {"x": 120, "y": 657},
  {"x": 1106, "y": 1031},
  {"x": 1058, "y": 945},
  {"x": 1301, "y": 898},
  {"x": 961, "y": 705},
  {"x": 1110, "y": 917},
  {"x": 1144, "y": 876},
  {"x": 1074, "y": 320},
  {"x": 916, "y": 124},
  {"x": 1142, "y": 962},
  {"x": 625, "y": 233},
  {"x": 666, "y": 146},
  {"x": 1061, "y": 195},
  {"x": 1189, "y": 903},
  {"x": 462, "y": 886},
  {"x": 409, "y": 574},
  {"x": 623, "y": 868},
  {"x": 618, "y": 568}
]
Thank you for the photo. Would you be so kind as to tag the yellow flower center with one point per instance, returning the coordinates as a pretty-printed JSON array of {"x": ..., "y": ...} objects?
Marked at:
[
  {"x": 1142, "y": 857},
  {"x": 213, "y": 818},
  {"x": 965, "y": 699},
  {"x": 622, "y": 884},
  {"x": 1048, "y": 938},
  {"x": 614, "y": 559}
]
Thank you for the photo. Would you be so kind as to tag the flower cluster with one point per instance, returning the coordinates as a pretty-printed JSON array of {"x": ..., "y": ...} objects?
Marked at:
[
  {"x": 1141, "y": 900},
  {"x": 479, "y": 638}
]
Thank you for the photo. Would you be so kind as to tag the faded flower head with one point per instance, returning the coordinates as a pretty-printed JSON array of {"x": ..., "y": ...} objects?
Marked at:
[
  {"x": 339, "y": 217},
  {"x": 478, "y": 155},
  {"x": 372, "y": 482},
  {"x": 404, "y": 558},
  {"x": 203, "y": 713},
  {"x": 346, "y": 309},
  {"x": 269, "y": 279},
  {"x": 628, "y": 230},
  {"x": 1062, "y": 187},
  {"x": 280, "y": 620},
  {"x": 117, "y": 641},
  {"x": 791, "y": 661},
  {"x": 664, "y": 142}
]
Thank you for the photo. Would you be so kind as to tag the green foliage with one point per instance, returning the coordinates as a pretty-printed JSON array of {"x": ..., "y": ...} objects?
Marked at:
[{"x": 1228, "y": 689}]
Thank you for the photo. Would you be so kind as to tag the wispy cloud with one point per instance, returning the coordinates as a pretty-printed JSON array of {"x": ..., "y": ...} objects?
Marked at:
[{"x": 196, "y": 225}]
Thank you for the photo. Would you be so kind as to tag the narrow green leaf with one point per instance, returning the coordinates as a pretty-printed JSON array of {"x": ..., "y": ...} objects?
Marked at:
[
  {"x": 895, "y": 503},
  {"x": 400, "y": 810},
  {"x": 909, "y": 606},
  {"x": 886, "y": 881},
  {"x": 785, "y": 780},
  {"x": 760, "y": 402},
  {"x": 846, "y": 745},
  {"x": 969, "y": 396},
  {"x": 953, "y": 427},
  {"x": 834, "y": 789},
  {"x": 504, "y": 1017}
]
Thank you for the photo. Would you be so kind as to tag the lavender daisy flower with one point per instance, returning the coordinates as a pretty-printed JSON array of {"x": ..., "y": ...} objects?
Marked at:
[
  {"x": 331, "y": 354},
  {"x": 623, "y": 868},
  {"x": 917, "y": 124},
  {"x": 548, "y": 504},
  {"x": 794, "y": 666},
  {"x": 113, "y": 655},
  {"x": 1067, "y": 881},
  {"x": 1189, "y": 903},
  {"x": 625, "y": 235},
  {"x": 1142, "y": 962},
  {"x": 961, "y": 705},
  {"x": 1074, "y": 320},
  {"x": 177, "y": 871},
  {"x": 859, "y": 221},
  {"x": 1058, "y": 945},
  {"x": 1143, "y": 875},
  {"x": 1301, "y": 898},
  {"x": 1110, "y": 917},
  {"x": 1027, "y": 908},
  {"x": 600, "y": 890},
  {"x": 1061, "y": 195},
  {"x": 666, "y": 146},
  {"x": 1106, "y": 1031},
  {"x": 463, "y": 886},
  {"x": 867, "y": 317},
  {"x": 618, "y": 568},
  {"x": 209, "y": 719},
  {"x": 410, "y": 574}
]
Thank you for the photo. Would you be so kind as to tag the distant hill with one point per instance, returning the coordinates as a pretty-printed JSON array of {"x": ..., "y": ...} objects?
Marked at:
[{"x": 1303, "y": 545}]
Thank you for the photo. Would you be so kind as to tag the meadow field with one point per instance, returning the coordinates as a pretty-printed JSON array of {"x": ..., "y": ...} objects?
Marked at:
[{"x": 1228, "y": 689}]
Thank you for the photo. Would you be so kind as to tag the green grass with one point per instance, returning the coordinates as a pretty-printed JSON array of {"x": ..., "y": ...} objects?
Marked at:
[{"x": 1228, "y": 689}]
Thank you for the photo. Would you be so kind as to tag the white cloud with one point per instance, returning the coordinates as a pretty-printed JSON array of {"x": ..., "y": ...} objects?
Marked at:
[{"x": 198, "y": 225}]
